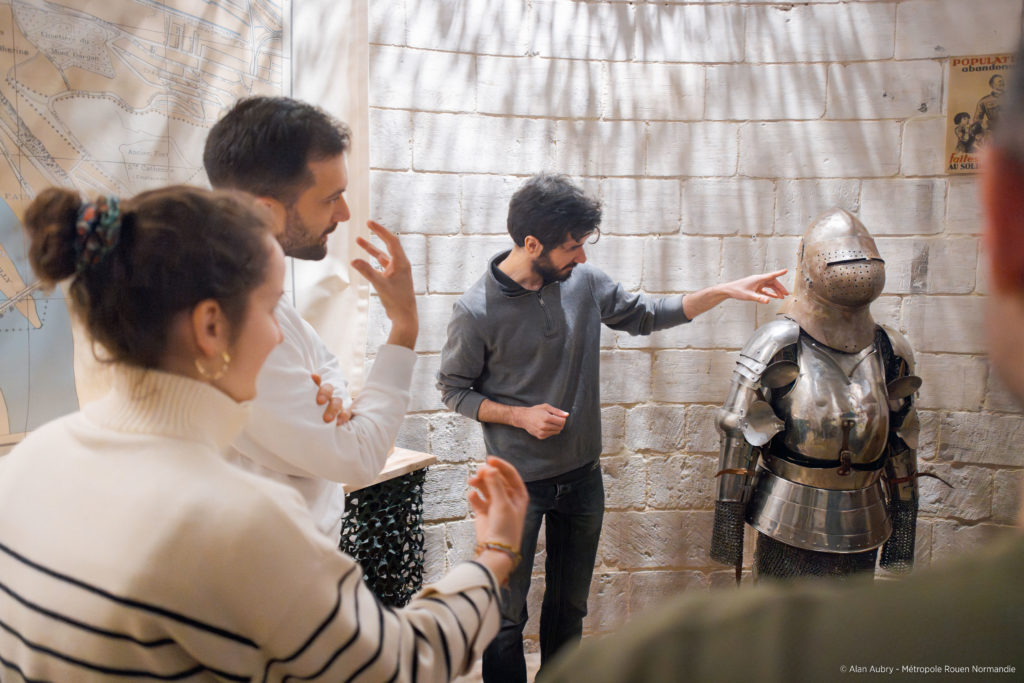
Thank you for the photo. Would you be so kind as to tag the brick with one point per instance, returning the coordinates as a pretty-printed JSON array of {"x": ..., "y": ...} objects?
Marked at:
[
  {"x": 387, "y": 23},
  {"x": 981, "y": 439},
  {"x": 952, "y": 540},
  {"x": 928, "y": 266},
  {"x": 637, "y": 206},
  {"x": 819, "y": 33},
  {"x": 952, "y": 324},
  {"x": 650, "y": 590},
  {"x": 599, "y": 148},
  {"x": 929, "y": 436},
  {"x": 921, "y": 154},
  {"x": 493, "y": 28},
  {"x": 963, "y": 207},
  {"x": 680, "y": 264},
  {"x": 689, "y": 33},
  {"x": 458, "y": 262},
  {"x": 923, "y": 543},
  {"x": 530, "y": 86},
  {"x": 424, "y": 80},
  {"x": 884, "y": 90},
  {"x": 444, "y": 493},
  {"x": 701, "y": 429},
  {"x": 464, "y": 143},
  {"x": 415, "y": 202},
  {"x": 606, "y": 604},
  {"x": 484, "y": 202},
  {"x": 681, "y": 482},
  {"x": 624, "y": 482},
  {"x": 461, "y": 540},
  {"x": 691, "y": 149},
  {"x": 745, "y": 92},
  {"x": 391, "y": 139},
  {"x": 660, "y": 429},
  {"x": 691, "y": 376},
  {"x": 969, "y": 499},
  {"x": 823, "y": 149},
  {"x": 580, "y": 30},
  {"x": 743, "y": 256},
  {"x": 930, "y": 29},
  {"x": 1007, "y": 489},
  {"x": 799, "y": 202},
  {"x": 727, "y": 325},
  {"x": 456, "y": 439},
  {"x": 715, "y": 206},
  {"x": 998, "y": 397},
  {"x": 415, "y": 247},
  {"x": 434, "y": 313},
  {"x": 425, "y": 395},
  {"x": 621, "y": 258},
  {"x": 951, "y": 382},
  {"x": 903, "y": 206},
  {"x": 648, "y": 540},
  {"x": 414, "y": 434},
  {"x": 613, "y": 429},
  {"x": 434, "y": 551},
  {"x": 886, "y": 310},
  {"x": 625, "y": 376},
  {"x": 646, "y": 91}
]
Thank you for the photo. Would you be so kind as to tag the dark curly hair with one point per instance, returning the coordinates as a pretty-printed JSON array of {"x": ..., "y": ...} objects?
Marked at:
[{"x": 552, "y": 209}]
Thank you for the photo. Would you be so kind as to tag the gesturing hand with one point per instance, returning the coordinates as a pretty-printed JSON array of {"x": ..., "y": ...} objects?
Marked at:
[
  {"x": 541, "y": 421},
  {"x": 499, "y": 504},
  {"x": 393, "y": 283},
  {"x": 760, "y": 288}
]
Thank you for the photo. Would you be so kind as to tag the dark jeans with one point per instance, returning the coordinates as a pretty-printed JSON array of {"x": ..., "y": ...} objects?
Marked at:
[{"x": 572, "y": 507}]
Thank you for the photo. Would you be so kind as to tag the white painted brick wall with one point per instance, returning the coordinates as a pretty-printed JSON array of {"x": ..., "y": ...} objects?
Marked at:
[
  {"x": 713, "y": 133},
  {"x": 890, "y": 90}
]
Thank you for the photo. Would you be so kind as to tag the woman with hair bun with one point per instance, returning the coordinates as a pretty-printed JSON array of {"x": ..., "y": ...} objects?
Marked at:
[{"x": 124, "y": 534}]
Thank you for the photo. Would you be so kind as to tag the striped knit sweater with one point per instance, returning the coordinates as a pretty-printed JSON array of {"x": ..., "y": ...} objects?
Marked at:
[{"x": 131, "y": 550}]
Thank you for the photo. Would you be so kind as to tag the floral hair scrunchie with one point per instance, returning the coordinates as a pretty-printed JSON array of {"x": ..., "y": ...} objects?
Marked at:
[{"x": 98, "y": 229}]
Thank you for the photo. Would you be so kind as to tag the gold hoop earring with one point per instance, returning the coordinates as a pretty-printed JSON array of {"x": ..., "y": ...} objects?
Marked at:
[{"x": 225, "y": 357}]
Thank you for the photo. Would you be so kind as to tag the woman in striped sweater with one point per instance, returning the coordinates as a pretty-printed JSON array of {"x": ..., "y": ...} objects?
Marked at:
[{"x": 126, "y": 546}]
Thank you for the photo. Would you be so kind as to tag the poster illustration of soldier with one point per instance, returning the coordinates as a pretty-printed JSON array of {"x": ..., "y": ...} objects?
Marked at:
[{"x": 976, "y": 85}]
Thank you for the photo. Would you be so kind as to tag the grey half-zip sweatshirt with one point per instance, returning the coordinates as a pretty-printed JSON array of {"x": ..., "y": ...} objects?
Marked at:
[{"x": 522, "y": 348}]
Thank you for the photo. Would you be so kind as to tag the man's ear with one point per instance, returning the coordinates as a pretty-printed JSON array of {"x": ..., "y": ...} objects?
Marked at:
[
  {"x": 276, "y": 211},
  {"x": 210, "y": 328},
  {"x": 533, "y": 246}
]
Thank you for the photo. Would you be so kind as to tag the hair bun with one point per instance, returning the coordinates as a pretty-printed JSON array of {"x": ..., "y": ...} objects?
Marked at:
[{"x": 50, "y": 222}]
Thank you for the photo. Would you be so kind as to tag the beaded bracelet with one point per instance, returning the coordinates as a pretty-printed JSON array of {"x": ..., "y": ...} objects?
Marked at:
[{"x": 512, "y": 553}]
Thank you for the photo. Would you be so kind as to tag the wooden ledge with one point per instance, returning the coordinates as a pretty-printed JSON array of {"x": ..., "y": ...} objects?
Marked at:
[{"x": 401, "y": 461}]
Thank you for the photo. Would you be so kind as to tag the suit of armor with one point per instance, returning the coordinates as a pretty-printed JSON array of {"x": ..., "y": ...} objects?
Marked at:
[{"x": 819, "y": 430}]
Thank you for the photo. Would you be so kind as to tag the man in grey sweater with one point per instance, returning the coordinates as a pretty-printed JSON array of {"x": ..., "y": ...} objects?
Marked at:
[{"x": 522, "y": 357}]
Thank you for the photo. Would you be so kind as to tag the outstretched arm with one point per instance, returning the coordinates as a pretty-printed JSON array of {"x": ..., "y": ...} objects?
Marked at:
[{"x": 760, "y": 288}]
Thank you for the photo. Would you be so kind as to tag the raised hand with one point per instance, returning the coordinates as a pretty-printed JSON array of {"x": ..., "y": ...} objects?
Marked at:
[{"x": 393, "y": 283}]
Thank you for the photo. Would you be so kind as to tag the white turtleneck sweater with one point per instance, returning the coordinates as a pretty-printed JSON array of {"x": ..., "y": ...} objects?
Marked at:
[{"x": 127, "y": 551}]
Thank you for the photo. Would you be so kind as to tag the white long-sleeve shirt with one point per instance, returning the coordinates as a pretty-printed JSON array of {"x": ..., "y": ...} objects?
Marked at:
[
  {"x": 286, "y": 438},
  {"x": 127, "y": 552}
]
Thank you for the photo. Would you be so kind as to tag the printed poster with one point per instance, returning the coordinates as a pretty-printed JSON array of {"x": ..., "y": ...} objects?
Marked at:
[{"x": 976, "y": 85}]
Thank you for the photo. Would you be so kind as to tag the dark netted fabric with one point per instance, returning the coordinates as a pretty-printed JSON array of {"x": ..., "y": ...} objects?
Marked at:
[
  {"x": 775, "y": 560},
  {"x": 727, "y": 539},
  {"x": 898, "y": 551},
  {"x": 383, "y": 530}
]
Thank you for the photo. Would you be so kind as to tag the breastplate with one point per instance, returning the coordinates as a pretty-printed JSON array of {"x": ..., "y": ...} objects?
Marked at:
[{"x": 837, "y": 419}]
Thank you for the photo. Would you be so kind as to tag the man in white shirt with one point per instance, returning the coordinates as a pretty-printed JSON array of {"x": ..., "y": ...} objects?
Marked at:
[{"x": 291, "y": 156}]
